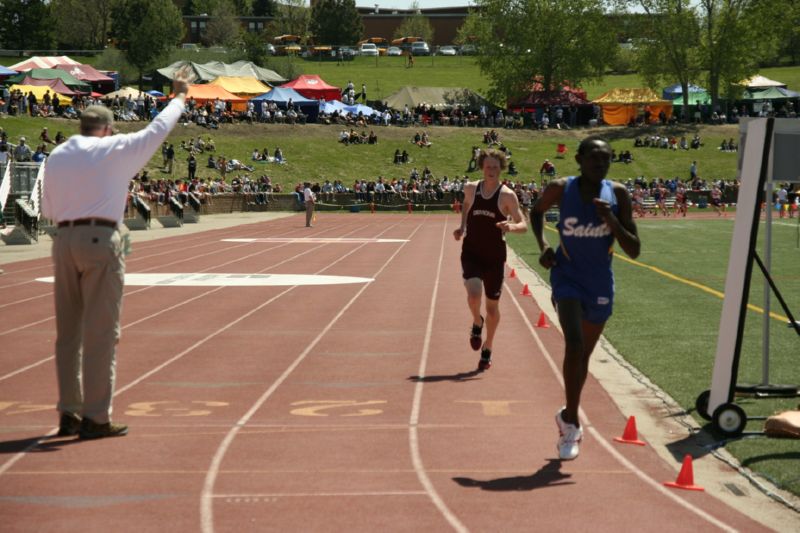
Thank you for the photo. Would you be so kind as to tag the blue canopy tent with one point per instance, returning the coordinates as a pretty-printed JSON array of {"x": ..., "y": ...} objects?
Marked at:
[
  {"x": 330, "y": 106},
  {"x": 282, "y": 95},
  {"x": 359, "y": 108},
  {"x": 674, "y": 92},
  {"x": 5, "y": 71}
]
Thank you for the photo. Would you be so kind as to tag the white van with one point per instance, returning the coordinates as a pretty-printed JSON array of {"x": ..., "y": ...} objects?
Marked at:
[{"x": 368, "y": 49}]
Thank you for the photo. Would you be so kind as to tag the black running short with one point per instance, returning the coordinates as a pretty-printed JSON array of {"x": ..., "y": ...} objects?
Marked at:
[{"x": 489, "y": 270}]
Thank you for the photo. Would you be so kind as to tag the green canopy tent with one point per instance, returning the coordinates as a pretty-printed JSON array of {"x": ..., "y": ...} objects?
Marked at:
[
  {"x": 52, "y": 74},
  {"x": 695, "y": 98},
  {"x": 769, "y": 93}
]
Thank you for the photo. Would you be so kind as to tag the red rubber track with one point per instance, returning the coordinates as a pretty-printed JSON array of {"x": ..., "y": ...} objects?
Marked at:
[{"x": 320, "y": 408}]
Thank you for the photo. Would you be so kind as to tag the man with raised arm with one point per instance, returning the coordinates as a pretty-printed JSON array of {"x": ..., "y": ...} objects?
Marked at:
[{"x": 85, "y": 192}]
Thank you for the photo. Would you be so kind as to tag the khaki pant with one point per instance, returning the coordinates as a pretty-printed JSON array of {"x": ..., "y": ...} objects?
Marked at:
[
  {"x": 89, "y": 277},
  {"x": 309, "y": 212}
]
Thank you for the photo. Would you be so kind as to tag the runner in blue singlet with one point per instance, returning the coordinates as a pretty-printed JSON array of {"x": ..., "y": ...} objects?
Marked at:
[{"x": 594, "y": 212}]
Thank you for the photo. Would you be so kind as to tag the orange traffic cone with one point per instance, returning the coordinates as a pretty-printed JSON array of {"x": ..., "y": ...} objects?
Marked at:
[
  {"x": 685, "y": 477},
  {"x": 525, "y": 291},
  {"x": 542, "y": 323},
  {"x": 513, "y": 274},
  {"x": 630, "y": 435}
]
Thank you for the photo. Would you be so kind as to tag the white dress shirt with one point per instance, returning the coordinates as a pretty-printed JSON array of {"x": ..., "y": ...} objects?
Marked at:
[{"x": 88, "y": 176}]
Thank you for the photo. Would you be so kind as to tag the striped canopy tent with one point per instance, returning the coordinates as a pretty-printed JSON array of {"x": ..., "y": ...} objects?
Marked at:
[
  {"x": 55, "y": 85},
  {"x": 621, "y": 105},
  {"x": 42, "y": 62},
  {"x": 241, "y": 85},
  {"x": 52, "y": 74},
  {"x": 38, "y": 91}
]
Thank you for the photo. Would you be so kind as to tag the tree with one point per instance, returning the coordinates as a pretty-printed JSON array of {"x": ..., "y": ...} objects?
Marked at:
[
  {"x": 264, "y": 8},
  {"x": 417, "y": 25},
  {"x": 733, "y": 41},
  {"x": 292, "y": 18},
  {"x": 336, "y": 22},
  {"x": 81, "y": 24},
  {"x": 550, "y": 41},
  {"x": 146, "y": 31},
  {"x": 223, "y": 26},
  {"x": 668, "y": 50},
  {"x": 26, "y": 24}
]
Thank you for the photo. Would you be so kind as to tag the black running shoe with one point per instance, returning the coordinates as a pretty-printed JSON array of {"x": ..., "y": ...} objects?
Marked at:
[
  {"x": 475, "y": 336},
  {"x": 486, "y": 360}
]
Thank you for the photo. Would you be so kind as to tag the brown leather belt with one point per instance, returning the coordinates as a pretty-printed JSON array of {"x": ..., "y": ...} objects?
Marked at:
[{"x": 87, "y": 222}]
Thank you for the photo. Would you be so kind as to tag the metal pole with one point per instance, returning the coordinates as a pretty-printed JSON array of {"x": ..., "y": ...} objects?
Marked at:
[{"x": 767, "y": 291}]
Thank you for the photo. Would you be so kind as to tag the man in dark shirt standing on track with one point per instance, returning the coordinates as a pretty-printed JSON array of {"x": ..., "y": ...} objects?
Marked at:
[{"x": 488, "y": 204}]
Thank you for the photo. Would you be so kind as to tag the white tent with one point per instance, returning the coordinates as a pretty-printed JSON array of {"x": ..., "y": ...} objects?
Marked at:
[
  {"x": 124, "y": 92},
  {"x": 756, "y": 82},
  {"x": 42, "y": 62}
]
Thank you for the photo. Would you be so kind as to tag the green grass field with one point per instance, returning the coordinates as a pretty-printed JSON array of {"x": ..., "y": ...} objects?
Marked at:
[{"x": 668, "y": 329}]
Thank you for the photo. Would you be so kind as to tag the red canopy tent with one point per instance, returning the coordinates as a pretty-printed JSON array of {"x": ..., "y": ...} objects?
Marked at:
[
  {"x": 314, "y": 87},
  {"x": 56, "y": 85},
  {"x": 89, "y": 74},
  {"x": 538, "y": 97}
]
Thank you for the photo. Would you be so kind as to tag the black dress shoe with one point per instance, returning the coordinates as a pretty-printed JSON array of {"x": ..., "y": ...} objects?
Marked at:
[
  {"x": 92, "y": 430},
  {"x": 68, "y": 425}
]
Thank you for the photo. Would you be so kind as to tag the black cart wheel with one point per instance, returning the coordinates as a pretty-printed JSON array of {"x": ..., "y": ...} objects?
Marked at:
[
  {"x": 729, "y": 419},
  {"x": 701, "y": 404}
]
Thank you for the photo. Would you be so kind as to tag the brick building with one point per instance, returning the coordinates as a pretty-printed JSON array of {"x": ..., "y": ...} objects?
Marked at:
[{"x": 377, "y": 23}]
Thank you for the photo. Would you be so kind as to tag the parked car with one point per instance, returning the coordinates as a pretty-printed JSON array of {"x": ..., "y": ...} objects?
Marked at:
[
  {"x": 420, "y": 48},
  {"x": 394, "y": 51},
  {"x": 270, "y": 48},
  {"x": 469, "y": 50},
  {"x": 347, "y": 52},
  {"x": 190, "y": 47},
  {"x": 447, "y": 51},
  {"x": 368, "y": 49}
]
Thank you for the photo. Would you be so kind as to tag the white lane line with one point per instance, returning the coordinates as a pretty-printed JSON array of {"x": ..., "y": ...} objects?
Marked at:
[
  {"x": 223, "y": 279},
  {"x": 316, "y": 240},
  {"x": 323, "y": 494},
  {"x": 607, "y": 445},
  {"x": 206, "y": 500},
  {"x": 15, "y": 458},
  {"x": 413, "y": 433}
]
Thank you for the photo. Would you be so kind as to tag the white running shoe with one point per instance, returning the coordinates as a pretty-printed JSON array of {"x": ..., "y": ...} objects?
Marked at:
[{"x": 570, "y": 437}]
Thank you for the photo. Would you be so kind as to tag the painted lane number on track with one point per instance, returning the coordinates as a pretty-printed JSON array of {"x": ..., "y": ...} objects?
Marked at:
[
  {"x": 314, "y": 407},
  {"x": 173, "y": 408},
  {"x": 23, "y": 408}
]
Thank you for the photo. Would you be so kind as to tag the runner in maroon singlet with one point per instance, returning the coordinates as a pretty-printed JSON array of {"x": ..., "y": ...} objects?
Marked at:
[{"x": 484, "y": 221}]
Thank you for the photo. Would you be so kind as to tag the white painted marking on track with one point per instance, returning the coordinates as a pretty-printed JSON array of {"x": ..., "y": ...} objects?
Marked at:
[
  {"x": 413, "y": 423},
  {"x": 605, "y": 444},
  {"x": 206, "y": 496},
  {"x": 319, "y": 240},
  {"x": 211, "y": 279}
]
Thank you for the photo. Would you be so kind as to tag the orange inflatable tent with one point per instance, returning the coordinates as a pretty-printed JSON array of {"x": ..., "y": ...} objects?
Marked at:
[{"x": 621, "y": 105}]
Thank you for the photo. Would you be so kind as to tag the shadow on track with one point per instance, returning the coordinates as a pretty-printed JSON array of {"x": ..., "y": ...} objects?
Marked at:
[
  {"x": 547, "y": 476},
  {"x": 461, "y": 376}
]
